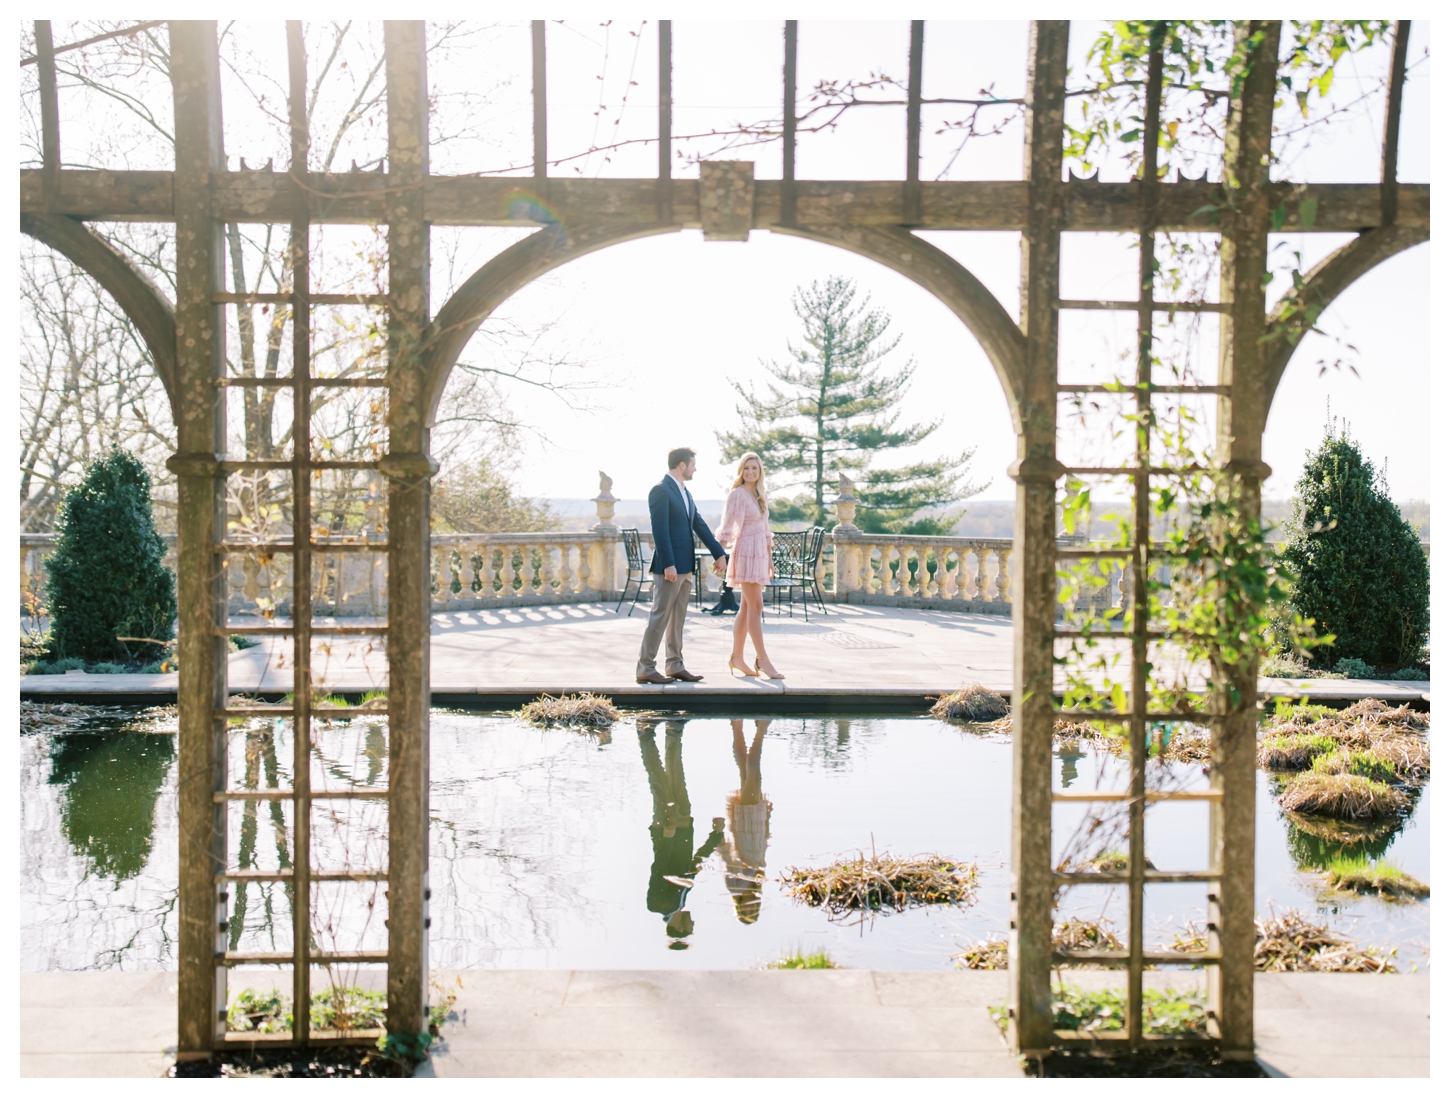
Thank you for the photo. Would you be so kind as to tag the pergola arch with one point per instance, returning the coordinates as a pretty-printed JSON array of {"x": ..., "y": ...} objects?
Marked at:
[
  {"x": 1329, "y": 278},
  {"x": 895, "y": 248},
  {"x": 138, "y": 297}
]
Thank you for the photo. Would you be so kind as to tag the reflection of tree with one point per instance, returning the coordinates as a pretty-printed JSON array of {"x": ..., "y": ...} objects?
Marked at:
[
  {"x": 672, "y": 830},
  {"x": 829, "y": 743},
  {"x": 108, "y": 800},
  {"x": 261, "y": 758},
  {"x": 748, "y": 811}
]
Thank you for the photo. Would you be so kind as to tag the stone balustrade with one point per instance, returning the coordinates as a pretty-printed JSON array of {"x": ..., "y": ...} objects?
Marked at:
[
  {"x": 919, "y": 571},
  {"x": 478, "y": 571}
]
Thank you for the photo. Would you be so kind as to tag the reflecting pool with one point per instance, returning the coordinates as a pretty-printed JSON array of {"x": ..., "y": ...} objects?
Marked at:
[{"x": 657, "y": 845}]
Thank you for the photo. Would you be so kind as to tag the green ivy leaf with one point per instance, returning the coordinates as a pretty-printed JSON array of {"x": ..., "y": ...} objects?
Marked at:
[
  {"x": 1279, "y": 216},
  {"x": 1308, "y": 211}
]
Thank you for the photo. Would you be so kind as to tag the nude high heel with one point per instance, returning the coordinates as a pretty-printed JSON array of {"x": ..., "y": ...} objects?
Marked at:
[
  {"x": 734, "y": 667},
  {"x": 758, "y": 671}
]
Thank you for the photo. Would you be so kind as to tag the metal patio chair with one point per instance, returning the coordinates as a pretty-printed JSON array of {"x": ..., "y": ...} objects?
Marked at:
[{"x": 634, "y": 569}]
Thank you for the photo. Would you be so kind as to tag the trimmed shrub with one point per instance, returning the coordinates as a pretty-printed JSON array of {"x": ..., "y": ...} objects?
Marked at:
[
  {"x": 1353, "y": 668},
  {"x": 106, "y": 575},
  {"x": 1361, "y": 574}
]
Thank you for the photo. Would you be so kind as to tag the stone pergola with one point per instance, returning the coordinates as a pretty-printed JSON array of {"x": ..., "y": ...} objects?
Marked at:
[{"x": 577, "y": 217}]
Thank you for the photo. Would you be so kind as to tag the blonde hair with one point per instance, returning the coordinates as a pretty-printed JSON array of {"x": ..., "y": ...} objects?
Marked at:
[{"x": 751, "y": 455}]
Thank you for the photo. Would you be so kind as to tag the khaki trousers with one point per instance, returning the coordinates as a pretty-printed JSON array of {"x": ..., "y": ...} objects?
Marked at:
[{"x": 667, "y": 622}]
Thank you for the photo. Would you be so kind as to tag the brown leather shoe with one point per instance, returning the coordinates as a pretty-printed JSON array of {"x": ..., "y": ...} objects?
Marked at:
[
  {"x": 685, "y": 676},
  {"x": 654, "y": 678}
]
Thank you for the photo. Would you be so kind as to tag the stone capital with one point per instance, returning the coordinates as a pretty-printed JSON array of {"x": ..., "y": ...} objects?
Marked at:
[
  {"x": 196, "y": 464},
  {"x": 406, "y": 466}
]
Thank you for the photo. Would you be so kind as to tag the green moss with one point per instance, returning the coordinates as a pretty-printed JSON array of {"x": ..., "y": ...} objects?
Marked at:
[{"x": 798, "y": 959}]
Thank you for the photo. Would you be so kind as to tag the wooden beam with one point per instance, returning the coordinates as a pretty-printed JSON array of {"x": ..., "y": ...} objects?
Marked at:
[
  {"x": 664, "y": 202},
  {"x": 201, "y": 523},
  {"x": 1390, "y": 151},
  {"x": 787, "y": 200},
  {"x": 49, "y": 104},
  {"x": 911, "y": 193},
  {"x": 1034, "y": 571},
  {"x": 360, "y": 198},
  {"x": 408, "y": 469},
  {"x": 541, "y": 104}
]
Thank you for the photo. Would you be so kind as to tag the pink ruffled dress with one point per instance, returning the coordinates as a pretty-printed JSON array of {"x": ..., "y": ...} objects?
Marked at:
[{"x": 746, "y": 533}]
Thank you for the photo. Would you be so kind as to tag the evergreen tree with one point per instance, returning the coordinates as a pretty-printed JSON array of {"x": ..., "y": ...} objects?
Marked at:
[
  {"x": 106, "y": 575},
  {"x": 834, "y": 412},
  {"x": 1361, "y": 574}
]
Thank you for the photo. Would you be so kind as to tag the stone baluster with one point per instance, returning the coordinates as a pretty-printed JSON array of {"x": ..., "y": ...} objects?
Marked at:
[
  {"x": 566, "y": 572},
  {"x": 586, "y": 570},
  {"x": 495, "y": 575},
  {"x": 1125, "y": 588},
  {"x": 1004, "y": 577},
  {"x": 472, "y": 574},
  {"x": 932, "y": 586}
]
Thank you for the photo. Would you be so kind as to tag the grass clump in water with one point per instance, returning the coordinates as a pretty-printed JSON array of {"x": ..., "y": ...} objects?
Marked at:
[
  {"x": 974, "y": 703},
  {"x": 1295, "y": 751},
  {"x": 1364, "y": 764},
  {"x": 1348, "y": 873},
  {"x": 882, "y": 881},
  {"x": 571, "y": 711},
  {"x": 797, "y": 959},
  {"x": 1346, "y": 796}
]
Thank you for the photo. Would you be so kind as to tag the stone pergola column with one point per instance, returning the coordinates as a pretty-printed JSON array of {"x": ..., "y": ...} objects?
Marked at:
[
  {"x": 1034, "y": 597},
  {"x": 201, "y": 521},
  {"x": 1242, "y": 411},
  {"x": 409, "y": 469}
]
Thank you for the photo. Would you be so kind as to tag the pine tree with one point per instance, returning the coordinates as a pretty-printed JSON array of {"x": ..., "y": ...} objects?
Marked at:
[
  {"x": 833, "y": 412},
  {"x": 1361, "y": 574},
  {"x": 106, "y": 576}
]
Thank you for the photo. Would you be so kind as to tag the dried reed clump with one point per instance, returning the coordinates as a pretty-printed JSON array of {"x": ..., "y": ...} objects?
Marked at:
[
  {"x": 1188, "y": 745},
  {"x": 1347, "y": 796},
  {"x": 45, "y": 716},
  {"x": 1295, "y": 751},
  {"x": 1291, "y": 943},
  {"x": 1409, "y": 755},
  {"x": 974, "y": 703},
  {"x": 882, "y": 881},
  {"x": 1075, "y": 934},
  {"x": 571, "y": 711},
  {"x": 1358, "y": 727}
]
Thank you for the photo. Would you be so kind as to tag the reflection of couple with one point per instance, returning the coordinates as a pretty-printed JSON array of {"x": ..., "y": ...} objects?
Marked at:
[
  {"x": 745, "y": 528},
  {"x": 672, "y": 829}
]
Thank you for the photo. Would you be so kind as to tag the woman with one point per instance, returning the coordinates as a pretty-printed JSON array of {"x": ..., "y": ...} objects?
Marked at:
[{"x": 745, "y": 531}]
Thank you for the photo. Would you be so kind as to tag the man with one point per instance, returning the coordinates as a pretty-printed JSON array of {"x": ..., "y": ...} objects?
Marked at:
[{"x": 674, "y": 520}]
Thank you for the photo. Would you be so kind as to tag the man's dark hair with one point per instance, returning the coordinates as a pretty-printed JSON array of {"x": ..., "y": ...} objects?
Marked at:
[{"x": 680, "y": 454}]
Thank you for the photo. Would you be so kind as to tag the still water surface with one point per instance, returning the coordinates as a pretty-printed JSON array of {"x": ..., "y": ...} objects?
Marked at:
[{"x": 656, "y": 846}]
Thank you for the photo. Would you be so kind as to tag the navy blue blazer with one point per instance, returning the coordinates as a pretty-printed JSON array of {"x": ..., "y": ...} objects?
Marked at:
[{"x": 675, "y": 528}]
